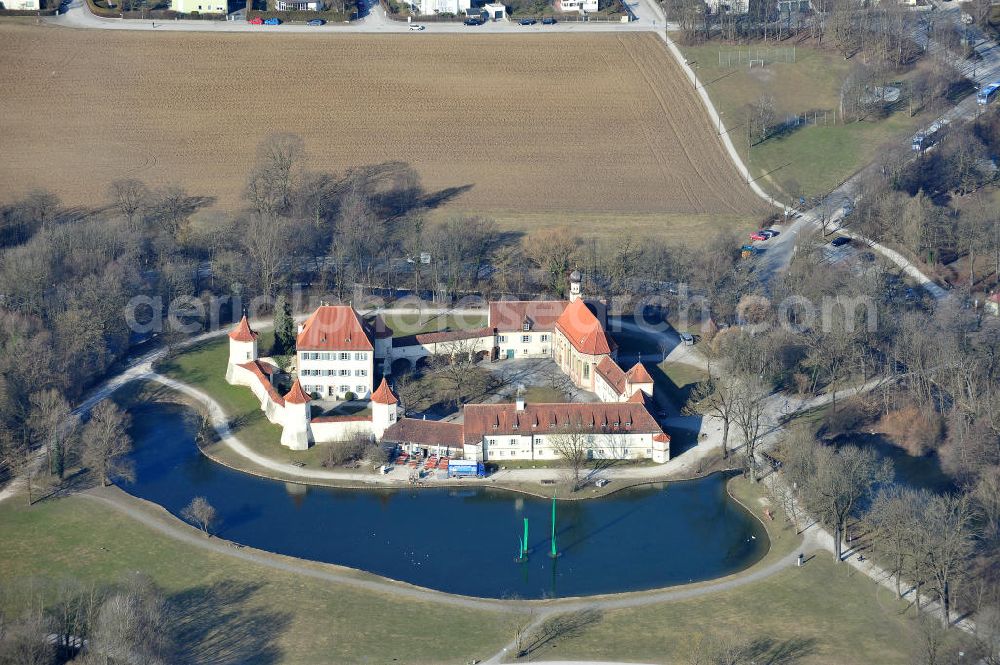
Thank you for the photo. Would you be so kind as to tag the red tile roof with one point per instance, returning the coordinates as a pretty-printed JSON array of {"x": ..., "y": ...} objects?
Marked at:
[
  {"x": 342, "y": 419},
  {"x": 441, "y": 337},
  {"x": 583, "y": 330},
  {"x": 297, "y": 395},
  {"x": 334, "y": 328},
  {"x": 262, "y": 371},
  {"x": 638, "y": 374},
  {"x": 662, "y": 438},
  {"x": 412, "y": 430},
  {"x": 383, "y": 395},
  {"x": 491, "y": 419},
  {"x": 242, "y": 332},
  {"x": 609, "y": 370},
  {"x": 510, "y": 315}
]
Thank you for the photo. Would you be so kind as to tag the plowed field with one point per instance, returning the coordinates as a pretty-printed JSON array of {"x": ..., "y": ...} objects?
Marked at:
[{"x": 532, "y": 124}]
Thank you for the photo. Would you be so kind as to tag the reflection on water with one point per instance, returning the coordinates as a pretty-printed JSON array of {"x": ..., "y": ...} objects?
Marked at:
[{"x": 458, "y": 540}]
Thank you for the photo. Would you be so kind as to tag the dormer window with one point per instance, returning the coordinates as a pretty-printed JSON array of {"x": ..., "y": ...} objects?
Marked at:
[{"x": 526, "y": 326}]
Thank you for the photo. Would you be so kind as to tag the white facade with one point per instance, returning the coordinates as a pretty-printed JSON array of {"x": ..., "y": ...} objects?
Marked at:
[
  {"x": 442, "y": 6},
  {"x": 22, "y": 5},
  {"x": 332, "y": 374},
  {"x": 529, "y": 447},
  {"x": 577, "y": 5},
  {"x": 526, "y": 343},
  {"x": 200, "y": 6}
]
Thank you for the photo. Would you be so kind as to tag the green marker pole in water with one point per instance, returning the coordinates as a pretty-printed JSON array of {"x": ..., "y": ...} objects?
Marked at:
[
  {"x": 555, "y": 552},
  {"x": 524, "y": 548}
]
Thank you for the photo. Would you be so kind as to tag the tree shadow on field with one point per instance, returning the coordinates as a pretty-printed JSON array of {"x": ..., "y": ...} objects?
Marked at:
[
  {"x": 218, "y": 624},
  {"x": 394, "y": 189},
  {"x": 558, "y": 627}
]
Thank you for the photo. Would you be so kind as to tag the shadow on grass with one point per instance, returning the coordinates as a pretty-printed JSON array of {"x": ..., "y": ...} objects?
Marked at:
[
  {"x": 217, "y": 624},
  {"x": 559, "y": 627}
]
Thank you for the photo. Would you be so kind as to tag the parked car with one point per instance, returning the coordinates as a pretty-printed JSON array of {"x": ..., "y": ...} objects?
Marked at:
[
  {"x": 840, "y": 241},
  {"x": 272, "y": 21},
  {"x": 316, "y": 22},
  {"x": 687, "y": 338},
  {"x": 758, "y": 235},
  {"x": 528, "y": 21},
  {"x": 416, "y": 27},
  {"x": 474, "y": 21},
  {"x": 548, "y": 20},
  {"x": 601, "y": 482},
  {"x": 768, "y": 233},
  {"x": 256, "y": 20}
]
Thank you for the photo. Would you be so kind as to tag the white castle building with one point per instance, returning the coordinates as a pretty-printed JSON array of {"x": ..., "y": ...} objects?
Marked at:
[{"x": 337, "y": 353}]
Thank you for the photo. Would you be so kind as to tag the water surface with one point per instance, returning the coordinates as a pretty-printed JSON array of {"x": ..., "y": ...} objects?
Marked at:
[{"x": 457, "y": 540}]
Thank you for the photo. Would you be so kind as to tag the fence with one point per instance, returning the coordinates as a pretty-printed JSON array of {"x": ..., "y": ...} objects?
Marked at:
[
  {"x": 756, "y": 55},
  {"x": 817, "y": 117}
]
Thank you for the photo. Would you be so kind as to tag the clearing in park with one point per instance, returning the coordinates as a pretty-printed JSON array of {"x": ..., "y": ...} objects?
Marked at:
[{"x": 526, "y": 125}]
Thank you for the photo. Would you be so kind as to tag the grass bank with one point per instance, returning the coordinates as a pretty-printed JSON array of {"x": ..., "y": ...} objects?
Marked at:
[
  {"x": 810, "y": 159},
  {"x": 253, "y": 613}
]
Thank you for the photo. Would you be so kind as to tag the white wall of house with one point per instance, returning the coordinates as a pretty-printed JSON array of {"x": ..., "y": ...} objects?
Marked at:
[
  {"x": 200, "y": 6},
  {"x": 339, "y": 430},
  {"x": 578, "y": 5},
  {"x": 442, "y": 6},
  {"x": 525, "y": 344},
  {"x": 621, "y": 445},
  {"x": 332, "y": 374}
]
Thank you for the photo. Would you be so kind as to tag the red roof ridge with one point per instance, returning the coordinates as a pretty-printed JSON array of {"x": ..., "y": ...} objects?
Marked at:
[
  {"x": 243, "y": 332},
  {"x": 383, "y": 394},
  {"x": 584, "y": 330},
  {"x": 297, "y": 395},
  {"x": 639, "y": 374}
]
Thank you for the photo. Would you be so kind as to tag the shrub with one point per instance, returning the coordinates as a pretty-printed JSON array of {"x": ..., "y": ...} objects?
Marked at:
[
  {"x": 349, "y": 396},
  {"x": 915, "y": 430}
]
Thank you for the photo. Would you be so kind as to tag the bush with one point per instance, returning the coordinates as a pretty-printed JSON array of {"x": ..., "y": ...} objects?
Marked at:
[
  {"x": 351, "y": 449},
  {"x": 913, "y": 429},
  {"x": 349, "y": 396}
]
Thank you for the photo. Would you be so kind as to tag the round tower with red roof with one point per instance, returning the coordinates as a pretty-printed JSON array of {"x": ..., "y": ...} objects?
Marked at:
[
  {"x": 297, "y": 415},
  {"x": 385, "y": 409},
  {"x": 242, "y": 346}
]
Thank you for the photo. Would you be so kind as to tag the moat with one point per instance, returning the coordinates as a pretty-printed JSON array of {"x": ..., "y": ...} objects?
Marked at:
[{"x": 460, "y": 541}]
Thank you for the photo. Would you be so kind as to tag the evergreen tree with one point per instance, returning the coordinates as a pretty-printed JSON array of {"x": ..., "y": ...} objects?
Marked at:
[{"x": 284, "y": 328}]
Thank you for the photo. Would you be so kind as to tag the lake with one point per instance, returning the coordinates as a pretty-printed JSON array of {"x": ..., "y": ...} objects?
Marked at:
[{"x": 461, "y": 541}]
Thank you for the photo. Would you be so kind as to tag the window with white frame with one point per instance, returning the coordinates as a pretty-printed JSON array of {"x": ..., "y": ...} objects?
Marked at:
[
  {"x": 360, "y": 356},
  {"x": 345, "y": 389},
  {"x": 525, "y": 339},
  {"x": 345, "y": 356},
  {"x": 545, "y": 338}
]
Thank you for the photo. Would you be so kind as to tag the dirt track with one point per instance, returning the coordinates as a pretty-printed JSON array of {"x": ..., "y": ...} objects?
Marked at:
[{"x": 531, "y": 123}]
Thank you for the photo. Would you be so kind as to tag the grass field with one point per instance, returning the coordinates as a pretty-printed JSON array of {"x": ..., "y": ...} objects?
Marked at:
[
  {"x": 810, "y": 160},
  {"x": 547, "y": 124},
  {"x": 821, "y": 613},
  {"x": 254, "y": 614}
]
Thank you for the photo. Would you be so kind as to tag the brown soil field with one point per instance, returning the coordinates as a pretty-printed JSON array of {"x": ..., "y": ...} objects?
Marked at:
[{"x": 531, "y": 124}]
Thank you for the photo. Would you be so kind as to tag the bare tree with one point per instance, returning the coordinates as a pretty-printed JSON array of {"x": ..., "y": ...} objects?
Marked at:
[
  {"x": 949, "y": 533},
  {"x": 715, "y": 397},
  {"x": 200, "y": 513},
  {"x": 133, "y": 625},
  {"x": 129, "y": 196},
  {"x": 552, "y": 250},
  {"x": 749, "y": 407},
  {"x": 277, "y": 158},
  {"x": 573, "y": 445},
  {"x": 891, "y": 521},
  {"x": 106, "y": 443},
  {"x": 733, "y": 648},
  {"x": 53, "y": 424},
  {"x": 835, "y": 482}
]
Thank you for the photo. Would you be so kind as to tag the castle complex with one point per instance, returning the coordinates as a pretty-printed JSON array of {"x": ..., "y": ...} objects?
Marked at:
[{"x": 338, "y": 354}]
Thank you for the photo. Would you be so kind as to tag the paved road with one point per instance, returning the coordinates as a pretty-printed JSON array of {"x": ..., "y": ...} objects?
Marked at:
[{"x": 779, "y": 251}]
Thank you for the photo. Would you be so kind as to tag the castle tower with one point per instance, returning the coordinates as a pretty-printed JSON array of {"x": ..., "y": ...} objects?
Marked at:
[
  {"x": 242, "y": 346},
  {"x": 385, "y": 409},
  {"x": 295, "y": 428},
  {"x": 574, "y": 286}
]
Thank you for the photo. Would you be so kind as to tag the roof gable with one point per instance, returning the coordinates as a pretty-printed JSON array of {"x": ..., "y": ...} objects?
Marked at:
[
  {"x": 511, "y": 315},
  {"x": 242, "y": 332},
  {"x": 334, "y": 328},
  {"x": 583, "y": 330}
]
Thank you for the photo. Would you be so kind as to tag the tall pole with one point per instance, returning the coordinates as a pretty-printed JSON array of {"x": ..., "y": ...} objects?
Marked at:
[
  {"x": 524, "y": 550},
  {"x": 555, "y": 552}
]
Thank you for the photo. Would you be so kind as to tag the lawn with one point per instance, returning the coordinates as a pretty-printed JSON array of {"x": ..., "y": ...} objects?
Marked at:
[
  {"x": 809, "y": 160},
  {"x": 204, "y": 367},
  {"x": 256, "y": 614},
  {"x": 411, "y": 323}
]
